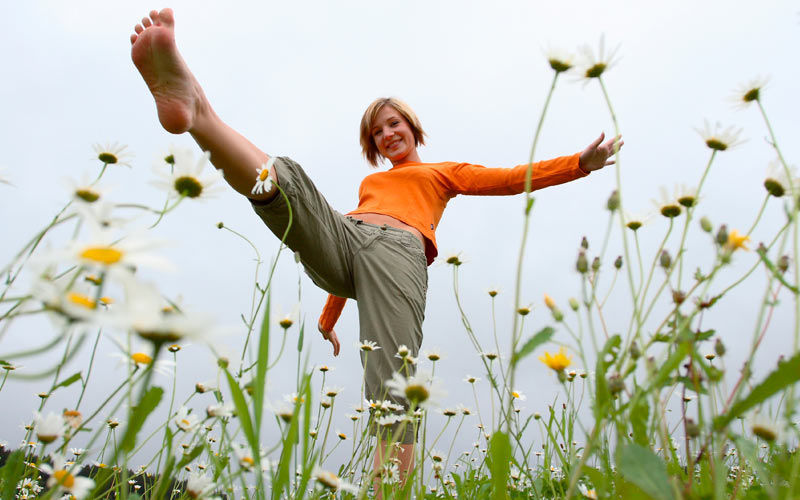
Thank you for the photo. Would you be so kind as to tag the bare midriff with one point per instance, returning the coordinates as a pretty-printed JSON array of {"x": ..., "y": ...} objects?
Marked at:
[{"x": 380, "y": 219}]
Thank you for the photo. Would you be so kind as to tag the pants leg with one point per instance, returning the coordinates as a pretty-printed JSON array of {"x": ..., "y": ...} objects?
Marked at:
[
  {"x": 321, "y": 235},
  {"x": 390, "y": 274}
]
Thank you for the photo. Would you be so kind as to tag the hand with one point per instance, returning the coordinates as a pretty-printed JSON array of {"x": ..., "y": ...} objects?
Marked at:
[
  {"x": 595, "y": 156},
  {"x": 330, "y": 337}
]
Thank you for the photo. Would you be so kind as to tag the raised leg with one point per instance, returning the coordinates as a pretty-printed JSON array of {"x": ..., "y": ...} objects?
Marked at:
[{"x": 183, "y": 107}]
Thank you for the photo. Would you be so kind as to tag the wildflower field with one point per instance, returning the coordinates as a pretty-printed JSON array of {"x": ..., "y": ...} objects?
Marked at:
[{"x": 650, "y": 379}]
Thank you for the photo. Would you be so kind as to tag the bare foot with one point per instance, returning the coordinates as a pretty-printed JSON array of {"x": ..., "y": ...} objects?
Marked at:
[{"x": 179, "y": 97}]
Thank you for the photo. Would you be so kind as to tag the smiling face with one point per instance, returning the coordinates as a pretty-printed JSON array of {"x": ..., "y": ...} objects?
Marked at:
[{"x": 393, "y": 136}]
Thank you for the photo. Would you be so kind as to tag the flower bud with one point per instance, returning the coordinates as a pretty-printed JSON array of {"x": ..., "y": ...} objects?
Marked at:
[
  {"x": 582, "y": 265},
  {"x": 665, "y": 260},
  {"x": 722, "y": 235},
  {"x": 596, "y": 264},
  {"x": 705, "y": 223},
  {"x": 613, "y": 201},
  {"x": 223, "y": 362},
  {"x": 573, "y": 303},
  {"x": 783, "y": 264},
  {"x": 220, "y": 225},
  {"x": 615, "y": 384},
  {"x": 618, "y": 262},
  {"x": 635, "y": 351},
  {"x": 692, "y": 429},
  {"x": 584, "y": 243},
  {"x": 719, "y": 347},
  {"x": 558, "y": 315},
  {"x": 678, "y": 296}
]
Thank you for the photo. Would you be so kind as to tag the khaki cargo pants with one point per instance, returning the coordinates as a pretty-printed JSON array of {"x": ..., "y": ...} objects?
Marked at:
[{"x": 383, "y": 268}]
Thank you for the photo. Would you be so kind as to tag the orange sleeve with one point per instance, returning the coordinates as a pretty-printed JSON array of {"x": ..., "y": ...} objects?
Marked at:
[
  {"x": 478, "y": 180},
  {"x": 331, "y": 312}
]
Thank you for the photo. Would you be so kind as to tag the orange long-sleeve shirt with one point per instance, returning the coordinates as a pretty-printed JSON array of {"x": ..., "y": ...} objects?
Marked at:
[{"x": 417, "y": 193}]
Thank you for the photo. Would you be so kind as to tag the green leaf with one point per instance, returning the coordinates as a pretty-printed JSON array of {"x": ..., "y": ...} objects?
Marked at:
[
  {"x": 645, "y": 469},
  {"x": 532, "y": 343},
  {"x": 785, "y": 375},
  {"x": 639, "y": 414},
  {"x": 68, "y": 381},
  {"x": 602, "y": 396},
  {"x": 187, "y": 458},
  {"x": 102, "y": 481},
  {"x": 671, "y": 364},
  {"x": 242, "y": 412},
  {"x": 141, "y": 411},
  {"x": 11, "y": 473},
  {"x": 499, "y": 455},
  {"x": 261, "y": 373}
]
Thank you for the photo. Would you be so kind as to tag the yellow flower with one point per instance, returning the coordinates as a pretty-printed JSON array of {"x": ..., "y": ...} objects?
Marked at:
[
  {"x": 736, "y": 241},
  {"x": 557, "y": 362},
  {"x": 549, "y": 302}
]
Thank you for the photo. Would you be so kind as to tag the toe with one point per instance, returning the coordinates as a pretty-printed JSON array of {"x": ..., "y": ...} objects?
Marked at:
[
  {"x": 133, "y": 38},
  {"x": 154, "y": 16},
  {"x": 146, "y": 22},
  {"x": 138, "y": 28},
  {"x": 166, "y": 17}
]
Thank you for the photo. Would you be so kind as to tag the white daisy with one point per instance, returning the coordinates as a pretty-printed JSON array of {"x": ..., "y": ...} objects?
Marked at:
[
  {"x": 199, "y": 485},
  {"x": 48, "y": 428},
  {"x": 368, "y": 346},
  {"x": 263, "y": 178},
  {"x": 749, "y": 92},
  {"x": 593, "y": 66},
  {"x": 777, "y": 183},
  {"x": 112, "y": 153},
  {"x": 187, "y": 179},
  {"x": 185, "y": 421},
  {"x": 220, "y": 411},
  {"x": 559, "y": 59},
  {"x": 434, "y": 354},
  {"x": 140, "y": 356},
  {"x": 332, "y": 482},
  {"x": 420, "y": 389},
  {"x": 63, "y": 480},
  {"x": 718, "y": 139}
]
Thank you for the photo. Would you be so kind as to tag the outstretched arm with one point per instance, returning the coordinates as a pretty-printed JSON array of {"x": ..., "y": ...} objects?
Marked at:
[{"x": 597, "y": 154}]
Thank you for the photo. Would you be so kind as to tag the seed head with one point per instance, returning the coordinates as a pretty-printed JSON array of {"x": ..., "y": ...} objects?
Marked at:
[
  {"x": 706, "y": 225},
  {"x": 618, "y": 262},
  {"x": 613, "y": 201},
  {"x": 665, "y": 260}
]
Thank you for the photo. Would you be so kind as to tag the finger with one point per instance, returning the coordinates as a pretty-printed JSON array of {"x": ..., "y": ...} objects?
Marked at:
[
  {"x": 336, "y": 345},
  {"x": 610, "y": 162},
  {"x": 598, "y": 141}
]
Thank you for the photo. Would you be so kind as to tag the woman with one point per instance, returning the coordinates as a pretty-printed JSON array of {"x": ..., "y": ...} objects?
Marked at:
[{"x": 378, "y": 254}]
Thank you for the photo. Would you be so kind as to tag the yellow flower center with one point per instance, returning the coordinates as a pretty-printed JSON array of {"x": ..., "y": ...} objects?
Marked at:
[
  {"x": 716, "y": 144},
  {"x": 81, "y": 300},
  {"x": 106, "y": 300},
  {"x": 751, "y": 95},
  {"x": 328, "y": 480},
  {"x": 247, "y": 462},
  {"x": 670, "y": 211},
  {"x": 558, "y": 65},
  {"x": 634, "y": 225},
  {"x": 596, "y": 70},
  {"x": 141, "y": 358},
  {"x": 188, "y": 186},
  {"x": 285, "y": 323},
  {"x": 185, "y": 422},
  {"x": 102, "y": 255},
  {"x": 64, "y": 478},
  {"x": 515, "y": 394},
  {"x": 417, "y": 393},
  {"x": 87, "y": 195},
  {"x": 263, "y": 175},
  {"x": 764, "y": 432},
  {"x": 106, "y": 157}
]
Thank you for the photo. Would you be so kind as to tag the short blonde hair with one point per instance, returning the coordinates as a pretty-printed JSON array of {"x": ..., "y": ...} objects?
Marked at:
[{"x": 368, "y": 147}]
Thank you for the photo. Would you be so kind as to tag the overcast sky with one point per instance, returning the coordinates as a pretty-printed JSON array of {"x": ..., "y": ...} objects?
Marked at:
[{"x": 295, "y": 78}]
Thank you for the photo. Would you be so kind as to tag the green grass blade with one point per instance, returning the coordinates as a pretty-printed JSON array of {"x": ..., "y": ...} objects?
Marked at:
[
  {"x": 68, "y": 381},
  {"x": 261, "y": 370},
  {"x": 242, "y": 412}
]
